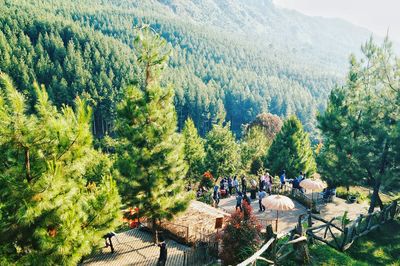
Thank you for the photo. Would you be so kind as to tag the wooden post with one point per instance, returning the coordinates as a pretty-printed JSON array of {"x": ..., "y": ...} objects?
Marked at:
[
  {"x": 277, "y": 218},
  {"x": 309, "y": 218},
  {"x": 270, "y": 232},
  {"x": 187, "y": 234},
  {"x": 345, "y": 233}
]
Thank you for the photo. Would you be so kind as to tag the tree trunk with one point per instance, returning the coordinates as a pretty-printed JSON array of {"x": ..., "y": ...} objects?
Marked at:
[
  {"x": 27, "y": 165},
  {"x": 154, "y": 230},
  {"x": 375, "y": 197}
]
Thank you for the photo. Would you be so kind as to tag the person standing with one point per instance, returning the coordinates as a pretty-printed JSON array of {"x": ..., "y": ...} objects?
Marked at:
[
  {"x": 230, "y": 185},
  {"x": 244, "y": 185},
  {"x": 283, "y": 178},
  {"x": 236, "y": 184},
  {"x": 268, "y": 183},
  {"x": 162, "y": 259},
  {"x": 298, "y": 180},
  {"x": 261, "y": 194},
  {"x": 239, "y": 201},
  {"x": 263, "y": 182},
  {"x": 216, "y": 194}
]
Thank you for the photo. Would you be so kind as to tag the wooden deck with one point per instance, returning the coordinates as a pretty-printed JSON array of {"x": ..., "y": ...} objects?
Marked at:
[{"x": 135, "y": 247}]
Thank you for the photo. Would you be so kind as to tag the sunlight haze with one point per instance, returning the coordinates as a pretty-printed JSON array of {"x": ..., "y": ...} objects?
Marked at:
[{"x": 377, "y": 16}]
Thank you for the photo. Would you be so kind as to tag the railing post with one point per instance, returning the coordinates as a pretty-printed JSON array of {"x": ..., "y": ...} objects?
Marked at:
[
  {"x": 344, "y": 241},
  {"x": 187, "y": 234}
]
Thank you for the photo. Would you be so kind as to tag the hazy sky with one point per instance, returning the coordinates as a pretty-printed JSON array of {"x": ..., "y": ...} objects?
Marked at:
[{"x": 375, "y": 15}]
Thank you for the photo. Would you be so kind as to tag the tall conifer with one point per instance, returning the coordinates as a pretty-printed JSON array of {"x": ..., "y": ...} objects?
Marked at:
[
  {"x": 57, "y": 197},
  {"x": 291, "y": 150},
  {"x": 223, "y": 155},
  {"x": 194, "y": 150},
  {"x": 151, "y": 159}
]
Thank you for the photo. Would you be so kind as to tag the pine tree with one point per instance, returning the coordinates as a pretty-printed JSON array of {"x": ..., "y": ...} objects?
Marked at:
[
  {"x": 151, "y": 158},
  {"x": 194, "y": 151},
  {"x": 360, "y": 127},
  {"x": 291, "y": 150},
  {"x": 253, "y": 146},
  {"x": 222, "y": 152},
  {"x": 57, "y": 197}
]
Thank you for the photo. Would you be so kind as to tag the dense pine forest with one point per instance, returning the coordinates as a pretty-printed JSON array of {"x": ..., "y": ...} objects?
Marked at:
[
  {"x": 218, "y": 75},
  {"x": 121, "y": 115}
]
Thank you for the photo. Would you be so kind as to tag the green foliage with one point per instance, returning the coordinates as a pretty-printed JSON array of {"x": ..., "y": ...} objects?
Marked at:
[
  {"x": 57, "y": 196},
  {"x": 194, "y": 151},
  {"x": 151, "y": 156},
  {"x": 360, "y": 126},
  {"x": 87, "y": 47},
  {"x": 68, "y": 59},
  {"x": 256, "y": 166},
  {"x": 222, "y": 152},
  {"x": 327, "y": 256},
  {"x": 206, "y": 197},
  {"x": 253, "y": 146},
  {"x": 291, "y": 150}
]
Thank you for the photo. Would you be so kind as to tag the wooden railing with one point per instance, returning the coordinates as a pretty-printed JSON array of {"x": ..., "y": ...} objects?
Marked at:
[
  {"x": 340, "y": 235},
  {"x": 335, "y": 233}
]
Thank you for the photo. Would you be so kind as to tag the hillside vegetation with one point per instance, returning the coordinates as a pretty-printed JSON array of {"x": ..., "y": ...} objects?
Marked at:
[{"x": 231, "y": 59}]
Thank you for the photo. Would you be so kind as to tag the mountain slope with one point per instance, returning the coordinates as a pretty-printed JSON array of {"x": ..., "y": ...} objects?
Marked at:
[{"x": 230, "y": 57}]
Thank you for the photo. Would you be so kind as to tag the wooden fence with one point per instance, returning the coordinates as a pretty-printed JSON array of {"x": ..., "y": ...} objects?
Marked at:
[
  {"x": 293, "y": 193},
  {"x": 339, "y": 234},
  {"x": 336, "y": 232}
]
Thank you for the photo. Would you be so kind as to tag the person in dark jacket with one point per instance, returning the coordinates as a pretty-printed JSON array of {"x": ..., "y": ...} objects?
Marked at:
[
  {"x": 162, "y": 259},
  {"x": 244, "y": 185},
  {"x": 230, "y": 185}
]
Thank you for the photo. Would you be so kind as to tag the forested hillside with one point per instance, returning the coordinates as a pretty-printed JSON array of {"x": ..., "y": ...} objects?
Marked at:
[{"x": 231, "y": 59}]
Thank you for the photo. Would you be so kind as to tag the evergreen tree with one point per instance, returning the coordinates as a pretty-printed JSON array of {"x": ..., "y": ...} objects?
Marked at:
[
  {"x": 222, "y": 151},
  {"x": 291, "y": 150},
  {"x": 253, "y": 146},
  {"x": 57, "y": 197},
  {"x": 194, "y": 151},
  {"x": 151, "y": 158},
  {"x": 360, "y": 125}
]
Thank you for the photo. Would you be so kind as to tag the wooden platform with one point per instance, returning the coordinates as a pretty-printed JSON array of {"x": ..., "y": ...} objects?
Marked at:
[{"x": 135, "y": 247}]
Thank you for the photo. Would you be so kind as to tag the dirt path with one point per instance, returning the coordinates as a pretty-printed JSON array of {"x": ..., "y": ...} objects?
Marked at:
[{"x": 288, "y": 219}]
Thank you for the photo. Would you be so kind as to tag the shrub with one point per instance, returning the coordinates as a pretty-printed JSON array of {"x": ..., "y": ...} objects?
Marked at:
[
  {"x": 207, "y": 180},
  {"x": 241, "y": 237}
]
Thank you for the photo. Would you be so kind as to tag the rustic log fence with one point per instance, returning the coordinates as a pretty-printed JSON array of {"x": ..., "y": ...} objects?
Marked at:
[
  {"x": 335, "y": 232},
  {"x": 342, "y": 236}
]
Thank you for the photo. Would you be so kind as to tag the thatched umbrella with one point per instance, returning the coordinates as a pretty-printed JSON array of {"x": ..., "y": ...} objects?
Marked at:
[
  {"x": 313, "y": 185},
  {"x": 278, "y": 203}
]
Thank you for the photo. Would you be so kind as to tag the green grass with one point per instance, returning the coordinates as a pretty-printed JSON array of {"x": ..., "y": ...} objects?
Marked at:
[
  {"x": 326, "y": 256},
  {"x": 380, "y": 247},
  {"x": 362, "y": 194}
]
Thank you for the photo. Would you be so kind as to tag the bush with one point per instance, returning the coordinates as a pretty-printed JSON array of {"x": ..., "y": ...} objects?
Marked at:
[
  {"x": 206, "y": 197},
  {"x": 360, "y": 194},
  {"x": 207, "y": 180},
  {"x": 241, "y": 237}
]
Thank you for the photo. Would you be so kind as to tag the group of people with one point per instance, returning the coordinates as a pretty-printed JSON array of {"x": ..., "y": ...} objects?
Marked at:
[
  {"x": 295, "y": 182},
  {"x": 229, "y": 186}
]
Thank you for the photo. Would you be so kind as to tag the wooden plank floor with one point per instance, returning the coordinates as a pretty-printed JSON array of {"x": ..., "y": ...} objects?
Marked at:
[{"x": 135, "y": 247}]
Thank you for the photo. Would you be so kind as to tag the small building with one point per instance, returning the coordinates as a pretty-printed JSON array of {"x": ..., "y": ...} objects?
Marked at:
[{"x": 200, "y": 222}]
